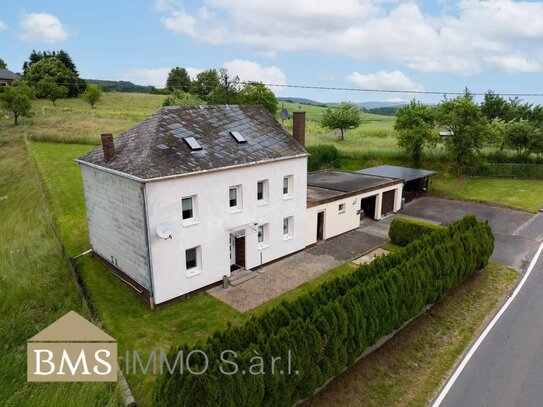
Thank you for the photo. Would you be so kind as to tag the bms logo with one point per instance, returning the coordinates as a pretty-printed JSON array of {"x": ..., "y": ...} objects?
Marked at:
[{"x": 72, "y": 349}]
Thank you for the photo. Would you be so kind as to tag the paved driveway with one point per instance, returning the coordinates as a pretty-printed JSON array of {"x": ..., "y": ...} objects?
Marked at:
[{"x": 516, "y": 232}]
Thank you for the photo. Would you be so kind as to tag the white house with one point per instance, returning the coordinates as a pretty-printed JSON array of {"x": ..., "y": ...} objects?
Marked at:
[{"x": 191, "y": 193}]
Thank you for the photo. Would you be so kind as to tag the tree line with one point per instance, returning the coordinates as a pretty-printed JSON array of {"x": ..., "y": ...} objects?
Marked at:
[
  {"x": 47, "y": 75},
  {"x": 471, "y": 126},
  {"x": 216, "y": 87}
]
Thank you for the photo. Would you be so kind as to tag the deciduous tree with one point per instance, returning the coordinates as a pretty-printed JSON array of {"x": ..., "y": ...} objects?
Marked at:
[
  {"x": 92, "y": 94},
  {"x": 17, "y": 99},
  {"x": 48, "y": 88},
  {"x": 345, "y": 116},
  {"x": 256, "y": 93},
  {"x": 415, "y": 123},
  {"x": 180, "y": 98},
  {"x": 178, "y": 79},
  {"x": 204, "y": 84},
  {"x": 469, "y": 128}
]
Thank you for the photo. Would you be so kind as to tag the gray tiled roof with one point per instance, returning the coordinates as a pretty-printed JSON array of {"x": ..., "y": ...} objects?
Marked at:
[
  {"x": 7, "y": 74},
  {"x": 155, "y": 147}
]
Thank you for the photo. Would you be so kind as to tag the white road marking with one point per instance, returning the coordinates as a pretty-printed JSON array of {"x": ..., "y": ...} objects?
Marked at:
[{"x": 482, "y": 337}]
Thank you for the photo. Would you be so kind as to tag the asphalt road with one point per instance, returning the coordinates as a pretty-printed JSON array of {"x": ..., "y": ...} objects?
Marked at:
[{"x": 506, "y": 369}]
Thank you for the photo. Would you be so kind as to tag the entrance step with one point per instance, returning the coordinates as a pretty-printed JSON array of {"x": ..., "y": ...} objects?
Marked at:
[{"x": 240, "y": 276}]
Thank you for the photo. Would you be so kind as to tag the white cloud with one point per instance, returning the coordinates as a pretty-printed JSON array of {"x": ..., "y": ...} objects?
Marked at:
[
  {"x": 252, "y": 71},
  {"x": 467, "y": 38},
  {"x": 394, "y": 80},
  {"x": 152, "y": 76},
  {"x": 395, "y": 100},
  {"x": 3, "y": 26},
  {"x": 43, "y": 27}
]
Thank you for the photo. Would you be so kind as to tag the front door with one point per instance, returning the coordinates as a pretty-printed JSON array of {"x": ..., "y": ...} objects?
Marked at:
[
  {"x": 232, "y": 250},
  {"x": 320, "y": 226}
]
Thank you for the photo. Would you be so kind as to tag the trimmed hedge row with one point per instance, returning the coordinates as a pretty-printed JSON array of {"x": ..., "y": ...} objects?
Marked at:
[
  {"x": 328, "y": 328},
  {"x": 403, "y": 231}
]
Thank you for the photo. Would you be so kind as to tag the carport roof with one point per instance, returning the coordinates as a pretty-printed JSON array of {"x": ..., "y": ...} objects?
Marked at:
[
  {"x": 328, "y": 186},
  {"x": 392, "y": 171}
]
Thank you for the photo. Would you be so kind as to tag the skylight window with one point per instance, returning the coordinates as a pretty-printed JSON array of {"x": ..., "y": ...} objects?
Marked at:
[
  {"x": 192, "y": 143},
  {"x": 238, "y": 137}
]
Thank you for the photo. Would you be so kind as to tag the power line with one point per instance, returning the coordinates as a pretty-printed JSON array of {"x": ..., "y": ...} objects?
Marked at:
[
  {"x": 413, "y": 92},
  {"x": 416, "y": 92}
]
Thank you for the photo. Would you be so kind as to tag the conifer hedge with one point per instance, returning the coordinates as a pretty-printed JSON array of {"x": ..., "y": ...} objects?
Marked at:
[
  {"x": 330, "y": 327},
  {"x": 403, "y": 231}
]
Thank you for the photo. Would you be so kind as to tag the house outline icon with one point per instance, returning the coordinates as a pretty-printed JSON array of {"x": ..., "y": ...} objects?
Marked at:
[{"x": 70, "y": 336}]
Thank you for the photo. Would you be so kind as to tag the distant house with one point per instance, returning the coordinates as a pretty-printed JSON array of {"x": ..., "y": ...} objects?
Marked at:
[
  {"x": 6, "y": 77},
  {"x": 180, "y": 201}
]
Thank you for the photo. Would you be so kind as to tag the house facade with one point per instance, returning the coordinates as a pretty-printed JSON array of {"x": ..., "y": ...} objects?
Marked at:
[{"x": 192, "y": 193}]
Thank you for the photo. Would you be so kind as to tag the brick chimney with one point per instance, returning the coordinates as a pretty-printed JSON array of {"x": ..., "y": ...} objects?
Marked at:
[
  {"x": 298, "y": 127},
  {"x": 108, "y": 146}
]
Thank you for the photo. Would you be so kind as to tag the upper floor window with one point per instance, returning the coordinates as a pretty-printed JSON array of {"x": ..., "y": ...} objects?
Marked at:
[
  {"x": 234, "y": 197},
  {"x": 189, "y": 210},
  {"x": 262, "y": 191},
  {"x": 341, "y": 208},
  {"x": 187, "y": 207},
  {"x": 287, "y": 186}
]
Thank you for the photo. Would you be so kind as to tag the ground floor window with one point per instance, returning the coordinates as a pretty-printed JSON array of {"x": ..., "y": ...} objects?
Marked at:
[
  {"x": 192, "y": 261},
  {"x": 288, "y": 227}
]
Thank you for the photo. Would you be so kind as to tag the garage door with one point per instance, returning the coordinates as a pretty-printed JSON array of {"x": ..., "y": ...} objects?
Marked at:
[{"x": 388, "y": 202}]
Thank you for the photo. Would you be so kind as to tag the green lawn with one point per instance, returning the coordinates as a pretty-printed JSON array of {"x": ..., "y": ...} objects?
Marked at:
[
  {"x": 521, "y": 194},
  {"x": 36, "y": 286}
]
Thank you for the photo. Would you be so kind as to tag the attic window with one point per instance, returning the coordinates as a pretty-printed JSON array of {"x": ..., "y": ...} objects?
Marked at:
[
  {"x": 192, "y": 143},
  {"x": 238, "y": 137}
]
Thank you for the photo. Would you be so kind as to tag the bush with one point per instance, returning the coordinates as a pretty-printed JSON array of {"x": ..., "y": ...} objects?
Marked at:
[
  {"x": 403, "y": 231},
  {"x": 322, "y": 157},
  {"x": 328, "y": 328}
]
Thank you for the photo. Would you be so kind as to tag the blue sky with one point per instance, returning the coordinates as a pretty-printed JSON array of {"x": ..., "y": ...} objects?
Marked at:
[{"x": 372, "y": 44}]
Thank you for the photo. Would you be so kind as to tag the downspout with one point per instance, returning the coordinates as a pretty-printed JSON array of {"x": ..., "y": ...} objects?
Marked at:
[{"x": 147, "y": 242}]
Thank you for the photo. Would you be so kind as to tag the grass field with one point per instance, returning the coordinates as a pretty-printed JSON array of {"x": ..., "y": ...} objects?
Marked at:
[{"x": 36, "y": 286}]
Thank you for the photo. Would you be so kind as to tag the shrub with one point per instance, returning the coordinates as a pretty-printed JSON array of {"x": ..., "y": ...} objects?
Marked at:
[
  {"x": 328, "y": 328},
  {"x": 403, "y": 231},
  {"x": 322, "y": 156}
]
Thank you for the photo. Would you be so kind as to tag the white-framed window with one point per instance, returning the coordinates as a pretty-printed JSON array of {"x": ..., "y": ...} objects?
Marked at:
[
  {"x": 193, "y": 261},
  {"x": 234, "y": 198},
  {"x": 287, "y": 186},
  {"x": 262, "y": 236},
  {"x": 341, "y": 208},
  {"x": 262, "y": 192},
  {"x": 288, "y": 228},
  {"x": 189, "y": 210}
]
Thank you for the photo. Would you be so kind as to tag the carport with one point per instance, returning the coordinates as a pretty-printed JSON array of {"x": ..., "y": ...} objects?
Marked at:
[
  {"x": 415, "y": 180},
  {"x": 337, "y": 200}
]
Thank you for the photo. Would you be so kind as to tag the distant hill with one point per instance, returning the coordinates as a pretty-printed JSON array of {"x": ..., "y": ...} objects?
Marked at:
[
  {"x": 385, "y": 111},
  {"x": 371, "y": 105},
  {"x": 120, "y": 86},
  {"x": 301, "y": 101}
]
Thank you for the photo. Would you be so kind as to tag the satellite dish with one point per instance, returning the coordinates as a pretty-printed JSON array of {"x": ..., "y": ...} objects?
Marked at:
[
  {"x": 164, "y": 230},
  {"x": 284, "y": 114}
]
